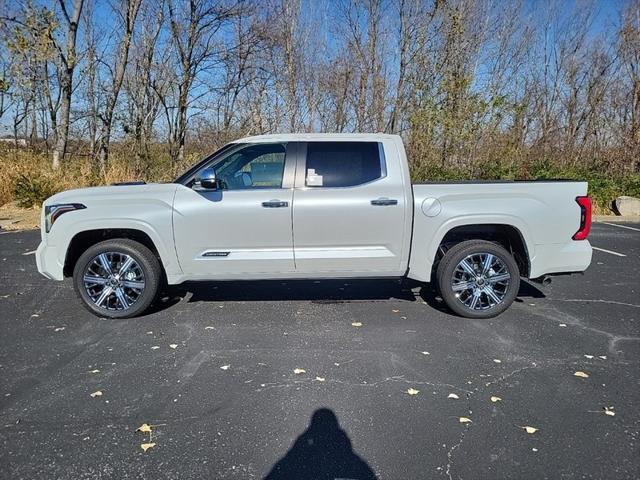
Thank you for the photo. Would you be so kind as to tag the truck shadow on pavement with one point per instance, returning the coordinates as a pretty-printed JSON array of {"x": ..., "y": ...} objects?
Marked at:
[
  {"x": 322, "y": 452},
  {"x": 316, "y": 291}
]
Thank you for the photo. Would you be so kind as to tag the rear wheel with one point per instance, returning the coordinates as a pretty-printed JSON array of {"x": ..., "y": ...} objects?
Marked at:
[
  {"x": 117, "y": 278},
  {"x": 478, "y": 279}
]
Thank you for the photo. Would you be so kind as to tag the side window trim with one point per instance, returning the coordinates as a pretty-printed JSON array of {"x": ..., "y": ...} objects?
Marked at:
[{"x": 301, "y": 168}]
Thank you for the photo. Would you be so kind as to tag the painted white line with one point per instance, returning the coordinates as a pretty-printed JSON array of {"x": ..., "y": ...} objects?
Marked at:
[
  {"x": 29, "y": 253},
  {"x": 622, "y": 226},
  {"x": 608, "y": 251}
]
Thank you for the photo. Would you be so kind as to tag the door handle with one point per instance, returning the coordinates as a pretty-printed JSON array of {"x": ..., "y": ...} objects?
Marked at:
[
  {"x": 275, "y": 204},
  {"x": 381, "y": 202}
]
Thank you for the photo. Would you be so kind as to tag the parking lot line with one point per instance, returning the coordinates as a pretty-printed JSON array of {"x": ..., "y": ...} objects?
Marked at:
[
  {"x": 622, "y": 226},
  {"x": 608, "y": 251}
]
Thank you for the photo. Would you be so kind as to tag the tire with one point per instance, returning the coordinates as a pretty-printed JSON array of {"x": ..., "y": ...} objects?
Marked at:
[
  {"x": 460, "y": 286},
  {"x": 131, "y": 294}
]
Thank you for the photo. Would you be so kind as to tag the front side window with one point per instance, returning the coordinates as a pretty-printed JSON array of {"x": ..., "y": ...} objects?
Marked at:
[
  {"x": 343, "y": 164},
  {"x": 254, "y": 166}
]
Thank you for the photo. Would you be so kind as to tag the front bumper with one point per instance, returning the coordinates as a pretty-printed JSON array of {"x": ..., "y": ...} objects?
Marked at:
[{"x": 48, "y": 262}]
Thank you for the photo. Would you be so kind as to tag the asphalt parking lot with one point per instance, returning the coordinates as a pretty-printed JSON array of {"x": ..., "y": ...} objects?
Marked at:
[{"x": 212, "y": 370}]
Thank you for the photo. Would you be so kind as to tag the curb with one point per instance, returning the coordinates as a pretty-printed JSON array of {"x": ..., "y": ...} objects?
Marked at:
[{"x": 616, "y": 218}]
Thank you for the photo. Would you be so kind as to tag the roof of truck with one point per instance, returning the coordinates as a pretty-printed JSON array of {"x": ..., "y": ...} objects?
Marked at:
[{"x": 314, "y": 137}]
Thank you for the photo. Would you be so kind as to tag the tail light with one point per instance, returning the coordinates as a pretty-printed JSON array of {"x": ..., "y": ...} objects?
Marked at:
[{"x": 585, "y": 218}]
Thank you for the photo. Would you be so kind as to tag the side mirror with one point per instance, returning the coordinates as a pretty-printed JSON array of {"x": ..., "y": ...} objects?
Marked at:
[{"x": 207, "y": 179}]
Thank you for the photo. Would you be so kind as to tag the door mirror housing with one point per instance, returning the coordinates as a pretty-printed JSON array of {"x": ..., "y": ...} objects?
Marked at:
[{"x": 207, "y": 180}]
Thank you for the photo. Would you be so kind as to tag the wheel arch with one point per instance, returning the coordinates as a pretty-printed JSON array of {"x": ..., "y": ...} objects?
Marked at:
[
  {"x": 505, "y": 235},
  {"x": 85, "y": 239},
  {"x": 505, "y": 230}
]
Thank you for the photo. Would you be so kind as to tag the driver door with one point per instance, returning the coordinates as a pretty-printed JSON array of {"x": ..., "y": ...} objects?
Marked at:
[{"x": 244, "y": 227}]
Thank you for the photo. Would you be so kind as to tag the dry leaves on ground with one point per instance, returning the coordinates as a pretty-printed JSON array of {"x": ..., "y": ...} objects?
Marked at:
[
  {"x": 144, "y": 428},
  {"x": 413, "y": 391}
]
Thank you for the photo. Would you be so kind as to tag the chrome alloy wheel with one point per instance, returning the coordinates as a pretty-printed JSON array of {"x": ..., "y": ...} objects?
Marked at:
[
  {"x": 114, "y": 281},
  {"x": 480, "y": 281}
]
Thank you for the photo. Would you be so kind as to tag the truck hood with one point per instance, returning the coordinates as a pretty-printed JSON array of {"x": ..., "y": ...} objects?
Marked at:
[{"x": 115, "y": 193}]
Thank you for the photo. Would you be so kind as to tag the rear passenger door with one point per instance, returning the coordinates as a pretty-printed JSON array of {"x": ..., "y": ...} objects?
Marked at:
[{"x": 348, "y": 211}]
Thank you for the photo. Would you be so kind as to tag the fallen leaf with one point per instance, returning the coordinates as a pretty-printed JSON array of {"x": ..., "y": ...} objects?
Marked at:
[
  {"x": 588, "y": 356},
  {"x": 95, "y": 371},
  {"x": 149, "y": 333},
  {"x": 530, "y": 430},
  {"x": 155, "y": 347},
  {"x": 453, "y": 395},
  {"x": 96, "y": 394},
  {"x": 603, "y": 357},
  {"x": 413, "y": 391},
  {"x": 58, "y": 329},
  {"x": 496, "y": 360},
  {"x": 356, "y": 324},
  {"x": 35, "y": 315},
  {"x": 496, "y": 399},
  {"x": 581, "y": 374},
  {"x": 534, "y": 449},
  {"x": 147, "y": 446},
  {"x": 464, "y": 420},
  {"x": 144, "y": 428},
  {"x": 298, "y": 371},
  {"x": 225, "y": 367},
  {"x": 562, "y": 325},
  {"x": 209, "y": 328},
  {"x": 320, "y": 379},
  {"x": 425, "y": 353},
  {"x": 173, "y": 345},
  {"x": 395, "y": 311},
  {"x": 609, "y": 411}
]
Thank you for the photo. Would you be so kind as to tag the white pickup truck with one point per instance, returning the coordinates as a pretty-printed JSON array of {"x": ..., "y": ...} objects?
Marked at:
[{"x": 313, "y": 206}]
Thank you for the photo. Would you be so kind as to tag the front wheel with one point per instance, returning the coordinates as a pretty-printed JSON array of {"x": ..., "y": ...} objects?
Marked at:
[
  {"x": 478, "y": 279},
  {"x": 117, "y": 278}
]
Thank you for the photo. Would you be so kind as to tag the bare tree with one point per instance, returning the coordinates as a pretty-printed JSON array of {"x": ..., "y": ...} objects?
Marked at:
[
  {"x": 128, "y": 14},
  {"x": 194, "y": 25},
  {"x": 68, "y": 57}
]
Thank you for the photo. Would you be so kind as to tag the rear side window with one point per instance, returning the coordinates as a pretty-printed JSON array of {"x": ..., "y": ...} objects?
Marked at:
[{"x": 343, "y": 164}]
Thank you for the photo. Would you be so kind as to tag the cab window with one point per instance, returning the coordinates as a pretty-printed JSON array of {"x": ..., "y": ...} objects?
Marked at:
[
  {"x": 343, "y": 164},
  {"x": 252, "y": 166}
]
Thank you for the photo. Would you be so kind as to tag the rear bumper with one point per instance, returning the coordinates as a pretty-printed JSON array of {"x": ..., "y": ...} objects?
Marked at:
[
  {"x": 48, "y": 263},
  {"x": 574, "y": 256}
]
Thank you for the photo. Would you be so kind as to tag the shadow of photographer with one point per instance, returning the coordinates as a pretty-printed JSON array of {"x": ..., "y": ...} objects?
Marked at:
[{"x": 322, "y": 452}]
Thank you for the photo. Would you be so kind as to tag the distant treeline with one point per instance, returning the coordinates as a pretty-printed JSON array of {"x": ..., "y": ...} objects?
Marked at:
[{"x": 477, "y": 88}]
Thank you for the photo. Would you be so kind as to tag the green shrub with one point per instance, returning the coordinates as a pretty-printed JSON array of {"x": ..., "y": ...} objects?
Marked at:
[{"x": 31, "y": 191}]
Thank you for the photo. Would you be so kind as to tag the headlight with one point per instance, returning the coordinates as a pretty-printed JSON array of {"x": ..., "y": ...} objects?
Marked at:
[{"x": 53, "y": 212}]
